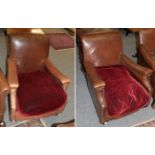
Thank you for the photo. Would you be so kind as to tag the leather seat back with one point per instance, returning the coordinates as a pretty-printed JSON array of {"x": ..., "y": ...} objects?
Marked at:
[
  {"x": 29, "y": 51},
  {"x": 147, "y": 38},
  {"x": 103, "y": 49}
]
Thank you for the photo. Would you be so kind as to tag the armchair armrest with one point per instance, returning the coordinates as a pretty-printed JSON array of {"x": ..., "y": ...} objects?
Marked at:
[
  {"x": 141, "y": 73},
  {"x": 12, "y": 74},
  {"x": 4, "y": 86},
  {"x": 147, "y": 57},
  {"x": 64, "y": 80},
  {"x": 97, "y": 82}
]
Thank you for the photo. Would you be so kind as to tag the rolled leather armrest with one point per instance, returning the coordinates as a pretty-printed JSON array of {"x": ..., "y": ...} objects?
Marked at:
[
  {"x": 12, "y": 74},
  {"x": 56, "y": 73},
  {"x": 97, "y": 82},
  {"x": 141, "y": 73},
  {"x": 134, "y": 68},
  {"x": 4, "y": 86},
  {"x": 143, "y": 52}
]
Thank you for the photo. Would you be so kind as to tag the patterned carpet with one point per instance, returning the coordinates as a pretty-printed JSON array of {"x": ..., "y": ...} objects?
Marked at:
[
  {"x": 150, "y": 123},
  {"x": 32, "y": 123}
]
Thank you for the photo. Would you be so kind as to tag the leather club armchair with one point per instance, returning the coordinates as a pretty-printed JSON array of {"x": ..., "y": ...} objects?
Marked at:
[
  {"x": 146, "y": 53},
  {"x": 38, "y": 88},
  {"x": 4, "y": 90},
  {"x": 118, "y": 85}
]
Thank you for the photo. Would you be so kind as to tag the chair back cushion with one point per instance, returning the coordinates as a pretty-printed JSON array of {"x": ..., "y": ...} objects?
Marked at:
[
  {"x": 147, "y": 38},
  {"x": 103, "y": 49},
  {"x": 29, "y": 51}
]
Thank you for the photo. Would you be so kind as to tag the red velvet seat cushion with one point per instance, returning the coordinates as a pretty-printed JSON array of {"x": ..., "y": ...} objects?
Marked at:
[
  {"x": 39, "y": 93},
  {"x": 122, "y": 92}
]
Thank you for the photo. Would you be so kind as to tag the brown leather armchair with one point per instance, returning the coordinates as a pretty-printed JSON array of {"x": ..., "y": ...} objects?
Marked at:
[
  {"x": 146, "y": 53},
  {"x": 38, "y": 89},
  {"x": 118, "y": 85},
  {"x": 4, "y": 90}
]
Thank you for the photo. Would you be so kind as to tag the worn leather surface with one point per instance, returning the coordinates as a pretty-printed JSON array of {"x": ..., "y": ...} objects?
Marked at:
[
  {"x": 11, "y": 31},
  {"x": 147, "y": 39},
  {"x": 133, "y": 67},
  {"x": 137, "y": 29},
  {"x": 146, "y": 52},
  {"x": 102, "y": 49},
  {"x": 28, "y": 51},
  {"x": 140, "y": 72},
  {"x": 97, "y": 82},
  {"x": 12, "y": 73},
  {"x": 81, "y": 31},
  {"x": 147, "y": 56}
]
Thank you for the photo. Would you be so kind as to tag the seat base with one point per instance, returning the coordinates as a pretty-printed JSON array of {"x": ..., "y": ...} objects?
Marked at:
[
  {"x": 123, "y": 93},
  {"x": 39, "y": 95},
  {"x": 18, "y": 116}
]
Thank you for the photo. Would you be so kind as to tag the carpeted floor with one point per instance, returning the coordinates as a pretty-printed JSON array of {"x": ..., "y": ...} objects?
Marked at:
[
  {"x": 85, "y": 112},
  {"x": 150, "y": 123},
  {"x": 64, "y": 61}
]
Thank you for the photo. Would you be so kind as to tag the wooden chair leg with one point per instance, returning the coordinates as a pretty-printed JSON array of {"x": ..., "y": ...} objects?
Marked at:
[
  {"x": 2, "y": 109},
  {"x": 2, "y": 123}
]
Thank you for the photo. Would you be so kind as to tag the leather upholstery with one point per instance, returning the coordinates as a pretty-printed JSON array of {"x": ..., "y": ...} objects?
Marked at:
[
  {"x": 94, "y": 45},
  {"x": 28, "y": 54},
  {"x": 142, "y": 74},
  {"x": 64, "y": 80},
  {"x": 146, "y": 52},
  {"x": 147, "y": 39},
  {"x": 12, "y": 31},
  {"x": 147, "y": 57},
  {"x": 12, "y": 74},
  {"x": 137, "y": 29},
  {"x": 81, "y": 31},
  {"x": 104, "y": 50}
]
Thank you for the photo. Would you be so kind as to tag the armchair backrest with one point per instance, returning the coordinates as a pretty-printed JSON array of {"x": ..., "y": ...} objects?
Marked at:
[
  {"x": 102, "y": 49},
  {"x": 12, "y": 31},
  {"x": 147, "y": 39},
  {"x": 29, "y": 51}
]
